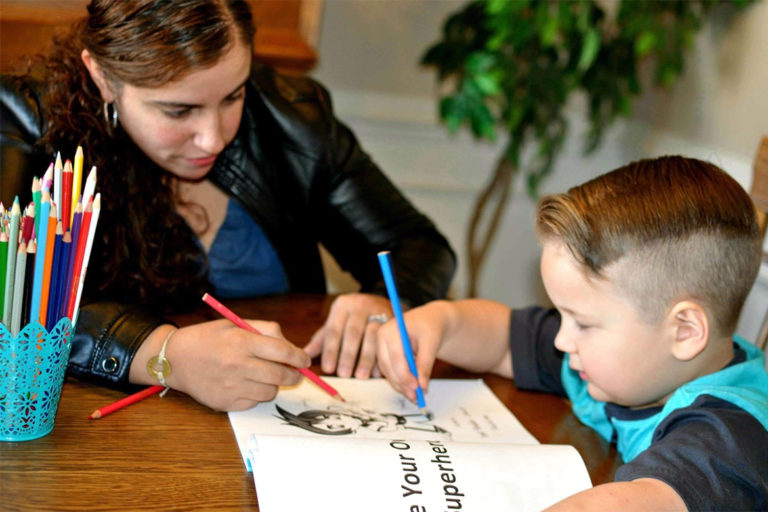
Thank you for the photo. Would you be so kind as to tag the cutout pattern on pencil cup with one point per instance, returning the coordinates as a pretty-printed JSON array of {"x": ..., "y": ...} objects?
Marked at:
[{"x": 32, "y": 368}]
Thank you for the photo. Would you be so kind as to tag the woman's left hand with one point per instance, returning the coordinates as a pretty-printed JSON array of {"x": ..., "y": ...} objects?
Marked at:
[{"x": 349, "y": 335}]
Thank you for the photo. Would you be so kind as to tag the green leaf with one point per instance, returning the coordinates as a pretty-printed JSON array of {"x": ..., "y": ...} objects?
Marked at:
[
  {"x": 645, "y": 43},
  {"x": 488, "y": 83},
  {"x": 589, "y": 49},
  {"x": 549, "y": 31},
  {"x": 452, "y": 113}
]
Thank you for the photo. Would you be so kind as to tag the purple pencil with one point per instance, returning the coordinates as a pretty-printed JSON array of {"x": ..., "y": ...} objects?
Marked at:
[
  {"x": 67, "y": 285},
  {"x": 50, "y": 316}
]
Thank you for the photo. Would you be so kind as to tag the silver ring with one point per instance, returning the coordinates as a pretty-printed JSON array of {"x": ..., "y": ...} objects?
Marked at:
[{"x": 380, "y": 318}]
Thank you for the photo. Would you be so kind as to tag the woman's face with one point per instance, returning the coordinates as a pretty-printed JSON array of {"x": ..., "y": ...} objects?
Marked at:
[{"x": 184, "y": 125}]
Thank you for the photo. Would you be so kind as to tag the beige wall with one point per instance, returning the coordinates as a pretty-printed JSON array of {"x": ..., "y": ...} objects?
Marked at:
[{"x": 369, "y": 53}]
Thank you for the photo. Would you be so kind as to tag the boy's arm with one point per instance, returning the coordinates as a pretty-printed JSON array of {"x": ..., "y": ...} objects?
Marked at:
[
  {"x": 639, "y": 495},
  {"x": 476, "y": 337}
]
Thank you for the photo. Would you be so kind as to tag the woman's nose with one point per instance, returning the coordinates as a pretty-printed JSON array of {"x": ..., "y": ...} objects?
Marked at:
[{"x": 209, "y": 136}]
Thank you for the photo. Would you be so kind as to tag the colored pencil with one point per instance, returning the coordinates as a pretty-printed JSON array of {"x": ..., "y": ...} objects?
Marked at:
[
  {"x": 28, "y": 222},
  {"x": 58, "y": 169},
  {"x": 27, "y": 287},
  {"x": 125, "y": 402},
  {"x": 10, "y": 272},
  {"x": 3, "y": 265},
  {"x": 48, "y": 178},
  {"x": 229, "y": 314},
  {"x": 55, "y": 232},
  {"x": 96, "y": 208},
  {"x": 85, "y": 224},
  {"x": 69, "y": 277},
  {"x": 66, "y": 195},
  {"x": 65, "y": 278},
  {"x": 77, "y": 178},
  {"x": 90, "y": 186},
  {"x": 18, "y": 287},
  {"x": 45, "y": 237},
  {"x": 385, "y": 261},
  {"x": 49, "y": 313},
  {"x": 37, "y": 193}
]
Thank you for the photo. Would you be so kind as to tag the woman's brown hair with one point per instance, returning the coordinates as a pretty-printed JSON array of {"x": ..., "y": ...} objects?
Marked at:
[{"x": 144, "y": 252}]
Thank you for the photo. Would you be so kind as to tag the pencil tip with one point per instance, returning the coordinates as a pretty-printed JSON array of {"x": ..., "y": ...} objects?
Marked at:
[
  {"x": 337, "y": 396},
  {"x": 95, "y": 415}
]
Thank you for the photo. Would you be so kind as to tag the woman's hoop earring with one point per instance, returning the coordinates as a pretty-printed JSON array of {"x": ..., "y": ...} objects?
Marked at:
[{"x": 110, "y": 115}]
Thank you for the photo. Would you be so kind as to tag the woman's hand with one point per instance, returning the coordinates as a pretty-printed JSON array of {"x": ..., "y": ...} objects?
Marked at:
[
  {"x": 228, "y": 368},
  {"x": 348, "y": 337}
]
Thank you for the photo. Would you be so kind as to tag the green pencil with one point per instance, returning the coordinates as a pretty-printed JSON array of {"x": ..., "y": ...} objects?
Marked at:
[
  {"x": 3, "y": 266},
  {"x": 36, "y": 196},
  {"x": 13, "y": 239}
]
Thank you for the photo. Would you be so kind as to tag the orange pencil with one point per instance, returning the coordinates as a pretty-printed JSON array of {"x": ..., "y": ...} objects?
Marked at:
[
  {"x": 229, "y": 314},
  {"x": 50, "y": 238},
  {"x": 125, "y": 402}
]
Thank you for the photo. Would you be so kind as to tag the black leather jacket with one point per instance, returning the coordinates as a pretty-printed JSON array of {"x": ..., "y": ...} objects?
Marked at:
[{"x": 302, "y": 176}]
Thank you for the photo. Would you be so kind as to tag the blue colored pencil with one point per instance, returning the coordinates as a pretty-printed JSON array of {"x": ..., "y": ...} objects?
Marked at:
[
  {"x": 42, "y": 250},
  {"x": 65, "y": 276},
  {"x": 51, "y": 311},
  {"x": 385, "y": 261}
]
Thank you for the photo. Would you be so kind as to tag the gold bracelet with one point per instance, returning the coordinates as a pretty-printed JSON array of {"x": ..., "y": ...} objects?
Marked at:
[{"x": 159, "y": 367}]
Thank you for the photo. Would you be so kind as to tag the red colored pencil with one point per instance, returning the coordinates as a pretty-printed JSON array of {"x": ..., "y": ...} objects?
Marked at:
[
  {"x": 70, "y": 296},
  {"x": 229, "y": 314},
  {"x": 125, "y": 402},
  {"x": 66, "y": 195}
]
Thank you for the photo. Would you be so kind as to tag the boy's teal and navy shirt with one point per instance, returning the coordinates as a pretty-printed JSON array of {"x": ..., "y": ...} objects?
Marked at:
[{"x": 713, "y": 429}]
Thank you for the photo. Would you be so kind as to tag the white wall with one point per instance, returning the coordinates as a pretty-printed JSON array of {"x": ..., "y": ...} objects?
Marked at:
[{"x": 369, "y": 54}]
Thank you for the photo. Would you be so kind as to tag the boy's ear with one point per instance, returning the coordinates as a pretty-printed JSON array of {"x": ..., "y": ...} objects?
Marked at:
[
  {"x": 690, "y": 325},
  {"x": 97, "y": 75}
]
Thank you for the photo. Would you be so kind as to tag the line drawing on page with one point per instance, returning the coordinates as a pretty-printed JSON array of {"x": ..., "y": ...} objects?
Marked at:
[{"x": 337, "y": 420}]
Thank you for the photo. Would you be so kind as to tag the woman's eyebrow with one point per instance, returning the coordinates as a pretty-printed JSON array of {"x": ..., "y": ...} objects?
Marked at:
[{"x": 179, "y": 104}]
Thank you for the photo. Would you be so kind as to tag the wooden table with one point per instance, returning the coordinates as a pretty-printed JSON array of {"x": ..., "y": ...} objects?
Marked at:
[{"x": 175, "y": 454}]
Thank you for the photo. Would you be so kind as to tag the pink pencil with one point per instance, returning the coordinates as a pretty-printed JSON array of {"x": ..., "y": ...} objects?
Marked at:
[{"x": 229, "y": 314}]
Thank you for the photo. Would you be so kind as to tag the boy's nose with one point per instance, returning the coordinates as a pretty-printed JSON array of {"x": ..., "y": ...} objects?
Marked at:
[{"x": 563, "y": 343}]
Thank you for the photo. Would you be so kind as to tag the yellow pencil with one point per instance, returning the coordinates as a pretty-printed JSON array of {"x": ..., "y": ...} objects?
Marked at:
[{"x": 77, "y": 180}]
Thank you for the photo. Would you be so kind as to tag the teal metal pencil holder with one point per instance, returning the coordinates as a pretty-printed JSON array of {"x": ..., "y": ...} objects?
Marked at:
[{"x": 32, "y": 367}]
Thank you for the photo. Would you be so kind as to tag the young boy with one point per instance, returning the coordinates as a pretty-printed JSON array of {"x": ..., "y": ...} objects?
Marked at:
[{"x": 648, "y": 267}]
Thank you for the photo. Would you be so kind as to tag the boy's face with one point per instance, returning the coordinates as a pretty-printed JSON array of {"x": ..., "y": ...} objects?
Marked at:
[{"x": 622, "y": 358}]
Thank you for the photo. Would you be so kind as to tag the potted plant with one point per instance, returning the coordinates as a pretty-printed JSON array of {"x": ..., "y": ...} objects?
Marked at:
[{"x": 512, "y": 66}]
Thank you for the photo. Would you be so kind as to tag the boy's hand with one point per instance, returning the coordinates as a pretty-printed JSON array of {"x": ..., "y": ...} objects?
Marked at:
[{"x": 426, "y": 327}]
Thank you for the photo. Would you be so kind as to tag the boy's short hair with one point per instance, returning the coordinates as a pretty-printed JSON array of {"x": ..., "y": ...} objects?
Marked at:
[{"x": 663, "y": 230}]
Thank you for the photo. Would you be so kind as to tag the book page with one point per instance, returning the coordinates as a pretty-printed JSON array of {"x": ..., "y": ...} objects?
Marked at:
[
  {"x": 347, "y": 475},
  {"x": 458, "y": 410}
]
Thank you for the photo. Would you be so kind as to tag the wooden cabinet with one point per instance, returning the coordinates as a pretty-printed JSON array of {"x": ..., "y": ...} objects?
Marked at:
[{"x": 286, "y": 30}]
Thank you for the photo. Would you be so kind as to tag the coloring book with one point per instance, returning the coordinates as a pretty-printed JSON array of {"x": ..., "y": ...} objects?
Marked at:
[{"x": 377, "y": 451}]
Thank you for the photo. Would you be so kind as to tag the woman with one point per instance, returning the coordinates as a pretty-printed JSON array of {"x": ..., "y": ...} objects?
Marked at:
[{"x": 216, "y": 174}]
